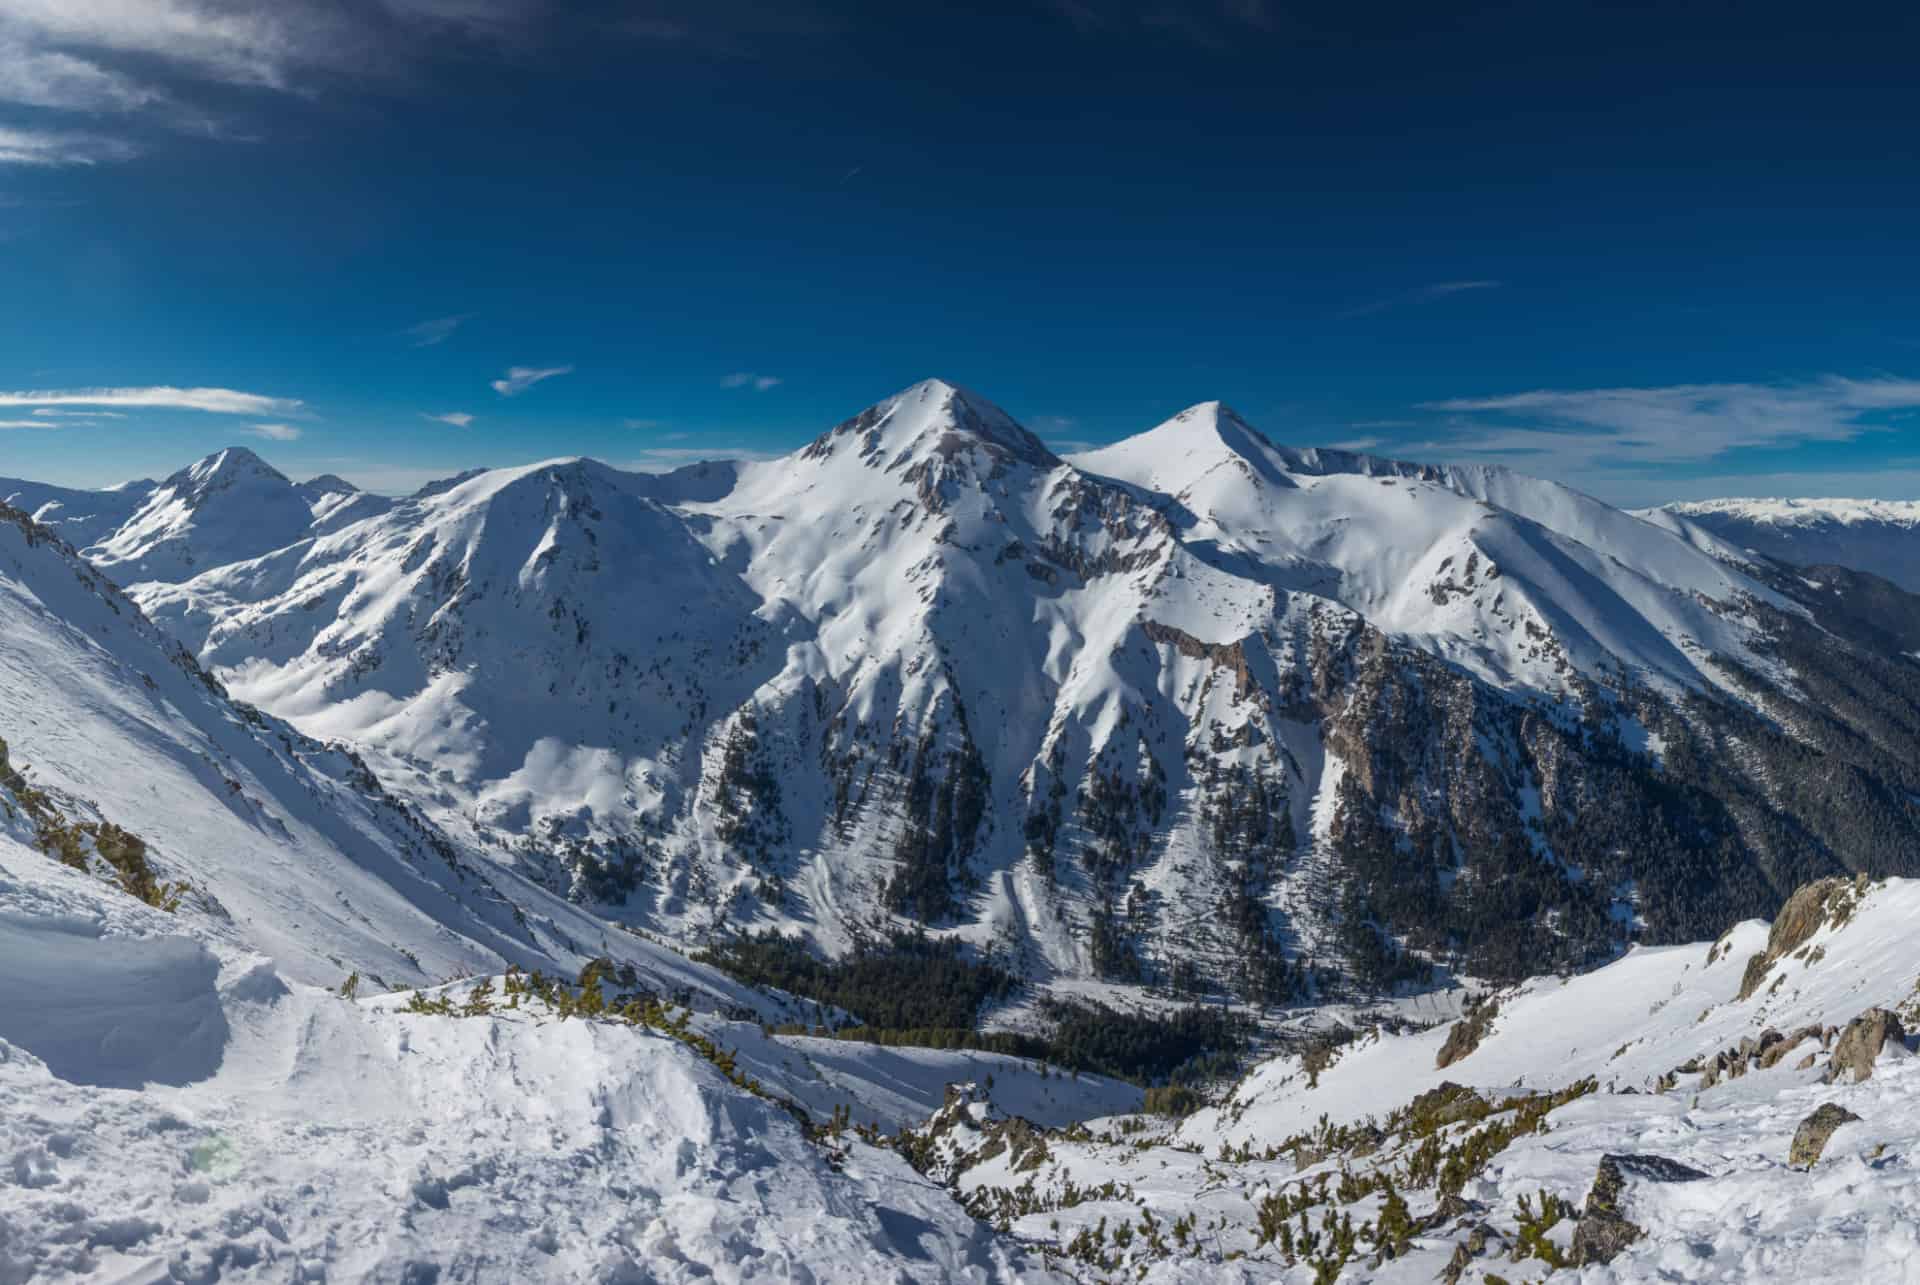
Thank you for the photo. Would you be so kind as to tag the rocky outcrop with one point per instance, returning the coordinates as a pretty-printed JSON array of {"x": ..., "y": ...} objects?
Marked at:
[
  {"x": 1603, "y": 1231},
  {"x": 1860, "y": 1045},
  {"x": 1810, "y": 1139},
  {"x": 1467, "y": 1033},
  {"x": 1822, "y": 902}
]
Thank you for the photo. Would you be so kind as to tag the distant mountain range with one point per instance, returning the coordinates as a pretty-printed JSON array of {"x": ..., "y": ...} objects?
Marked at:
[
  {"x": 1881, "y": 537},
  {"x": 1195, "y": 711}
]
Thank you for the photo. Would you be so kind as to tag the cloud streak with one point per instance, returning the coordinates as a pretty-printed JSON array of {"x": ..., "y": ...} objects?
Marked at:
[
  {"x": 1650, "y": 428},
  {"x": 430, "y": 333},
  {"x": 276, "y": 432},
  {"x": 519, "y": 379},
  {"x": 50, "y": 148},
  {"x": 214, "y": 401},
  {"x": 747, "y": 379},
  {"x": 457, "y": 418},
  {"x": 1410, "y": 298}
]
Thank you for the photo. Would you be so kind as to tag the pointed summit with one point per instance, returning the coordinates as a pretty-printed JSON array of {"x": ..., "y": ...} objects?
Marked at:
[
  {"x": 932, "y": 418},
  {"x": 1194, "y": 445},
  {"x": 224, "y": 468}
]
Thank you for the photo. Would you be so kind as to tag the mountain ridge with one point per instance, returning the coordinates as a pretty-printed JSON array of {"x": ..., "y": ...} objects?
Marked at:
[{"x": 1252, "y": 720}]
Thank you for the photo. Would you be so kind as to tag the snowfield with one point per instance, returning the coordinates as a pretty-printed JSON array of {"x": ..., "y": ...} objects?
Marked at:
[
  {"x": 171, "y": 1110},
  {"x": 1690, "y": 1056}
]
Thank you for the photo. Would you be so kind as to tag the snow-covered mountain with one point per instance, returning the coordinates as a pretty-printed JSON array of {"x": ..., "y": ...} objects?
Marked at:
[
  {"x": 226, "y": 508},
  {"x": 1197, "y": 716},
  {"x": 1881, "y": 537},
  {"x": 1196, "y": 710},
  {"x": 80, "y": 517},
  {"x": 122, "y": 755}
]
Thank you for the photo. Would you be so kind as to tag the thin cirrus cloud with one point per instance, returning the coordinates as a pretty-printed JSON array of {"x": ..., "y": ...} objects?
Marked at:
[
  {"x": 276, "y": 432},
  {"x": 1411, "y": 298},
  {"x": 107, "y": 58},
  {"x": 457, "y": 418},
  {"x": 437, "y": 331},
  {"x": 1651, "y": 428},
  {"x": 48, "y": 148},
  {"x": 747, "y": 379},
  {"x": 28, "y": 423},
  {"x": 519, "y": 379},
  {"x": 214, "y": 401},
  {"x": 46, "y": 412}
]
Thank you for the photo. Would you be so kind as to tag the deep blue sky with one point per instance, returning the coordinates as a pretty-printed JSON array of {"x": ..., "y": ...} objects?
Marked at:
[{"x": 1360, "y": 224}]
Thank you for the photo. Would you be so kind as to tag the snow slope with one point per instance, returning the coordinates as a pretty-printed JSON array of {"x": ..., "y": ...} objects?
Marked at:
[
  {"x": 1416, "y": 549},
  {"x": 289, "y": 845},
  {"x": 171, "y": 1109},
  {"x": 1877, "y": 536},
  {"x": 1643, "y": 1032},
  {"x": 80, "y": 516}
]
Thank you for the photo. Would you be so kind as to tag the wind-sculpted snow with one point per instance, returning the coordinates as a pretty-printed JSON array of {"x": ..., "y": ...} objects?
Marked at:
[
  {"x": 1193, "y": 708},
  {"x": 287, "y": 1133}
]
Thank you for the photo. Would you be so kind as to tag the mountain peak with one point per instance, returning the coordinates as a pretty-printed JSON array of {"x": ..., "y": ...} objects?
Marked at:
[
  {"x": 1176, "y": 454},
  {"x": 224, "y": 468},
  {"x": 934, "y": 417},
  {"x": 330, "y": 484}
]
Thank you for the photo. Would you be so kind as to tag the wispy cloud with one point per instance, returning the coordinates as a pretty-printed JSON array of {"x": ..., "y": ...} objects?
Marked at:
[
  {"x": 1210, "y": 25},
  {"x": 437, "y": 331},
  {"x": 645, "y": 424},
  {"x": 90, "y": 58},
  {"x": 665, "y": 459},
  {"x": 457, "y": 418},
  {"x": 747, "y": 379},
  {"x": 48, "y": 413},
  {"x": 519, "y": 379},
  {"x": 276, "y": 432},
  {"x": 29, "y": 423},
  {"x": 1651, "y": 428},
  {"x": 1054, "y": 423},
  {"x": 57, "y": 80},
  {"x": 47, "y": 147},
  {"x": 1360, "y": 444},
  {"x": 216, "y": 401},
  {"x": 1425, "y": 294}
]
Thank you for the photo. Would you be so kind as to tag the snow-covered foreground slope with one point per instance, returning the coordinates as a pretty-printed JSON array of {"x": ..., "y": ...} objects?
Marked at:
[
  {"x": 1695, "y": 1064},
  {"x": 1877, "y": 536},
  {"x": 1196, "y": 711},
  {"x": 171, "y": 1109}
]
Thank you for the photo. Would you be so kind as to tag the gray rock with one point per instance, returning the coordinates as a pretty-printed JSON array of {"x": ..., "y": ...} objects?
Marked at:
[
  {"x": 1859, "y": 1046},
  {"x": 1603, "y": 1231},
  {"x": 1810, "y": 1139}
]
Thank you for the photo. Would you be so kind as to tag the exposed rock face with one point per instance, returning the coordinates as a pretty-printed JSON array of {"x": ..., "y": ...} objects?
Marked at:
[
  {"x": 1771, "y": 1054},
  {"x": 1466, "y": 1034},
  {"x": 1810, "y": 1139},
  {"x": 1448, "y": 1104},
  {"x": 1603, "y": 1231},
  {"x": 1810, "y": 908},
  {"x": 1859, "y": 1046}
]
